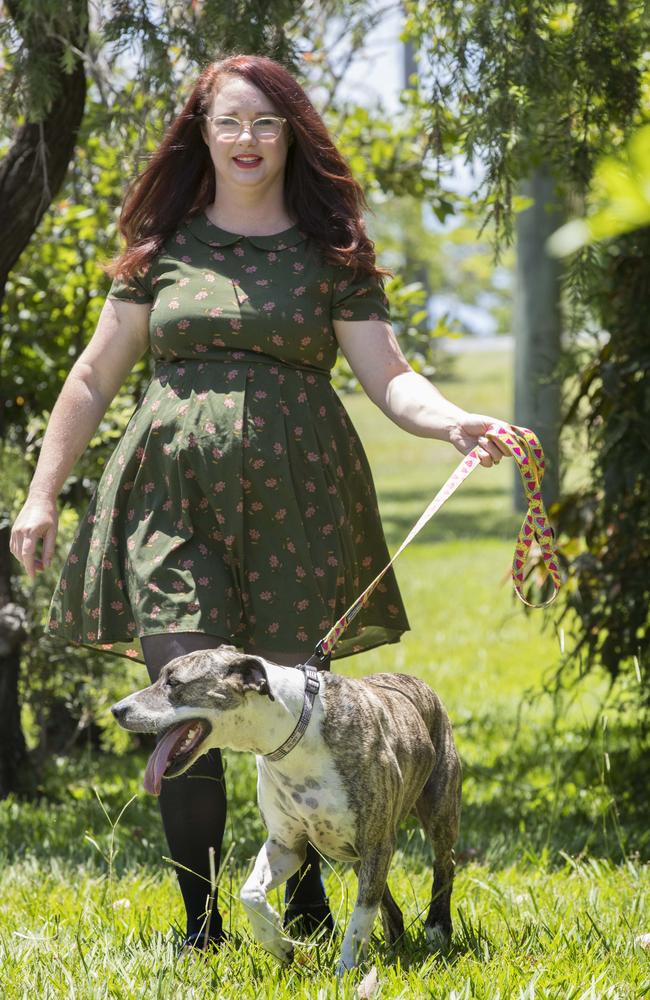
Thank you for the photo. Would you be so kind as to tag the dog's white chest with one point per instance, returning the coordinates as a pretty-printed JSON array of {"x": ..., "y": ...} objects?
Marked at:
[{"x": 308, "y": 800}]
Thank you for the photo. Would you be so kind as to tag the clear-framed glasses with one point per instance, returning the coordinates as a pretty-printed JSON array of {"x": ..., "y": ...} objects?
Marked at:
[{"x": 266, "y": 128}]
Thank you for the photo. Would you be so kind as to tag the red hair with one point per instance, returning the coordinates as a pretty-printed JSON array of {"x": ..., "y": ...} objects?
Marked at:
[{"x": 179, "y": 180}]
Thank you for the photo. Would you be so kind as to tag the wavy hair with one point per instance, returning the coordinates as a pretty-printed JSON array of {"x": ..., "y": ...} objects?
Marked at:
[{"x": 179, "y": 180}]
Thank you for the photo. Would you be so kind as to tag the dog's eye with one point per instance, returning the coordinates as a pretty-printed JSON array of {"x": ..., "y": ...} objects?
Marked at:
[{"x": 173, "y": 682}]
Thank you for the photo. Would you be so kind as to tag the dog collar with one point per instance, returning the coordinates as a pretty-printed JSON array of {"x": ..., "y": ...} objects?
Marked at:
[{"x": 312, "y": 687}]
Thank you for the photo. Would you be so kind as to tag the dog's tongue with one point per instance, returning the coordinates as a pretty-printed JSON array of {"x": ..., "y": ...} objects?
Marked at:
[{"x": 158, "y": 761}]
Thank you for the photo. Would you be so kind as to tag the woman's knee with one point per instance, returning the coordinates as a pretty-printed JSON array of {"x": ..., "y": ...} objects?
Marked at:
[{"x": 163, "y": 647}]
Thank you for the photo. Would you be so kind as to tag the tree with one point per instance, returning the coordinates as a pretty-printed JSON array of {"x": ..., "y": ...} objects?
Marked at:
[
  {"x": 43, "y": 145},
  {"x": 538, "y": 326},
  {"x": 42, "y": 149}
]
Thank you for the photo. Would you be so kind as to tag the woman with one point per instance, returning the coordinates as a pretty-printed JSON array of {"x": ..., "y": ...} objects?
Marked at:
[{"x": 238, "y": 506}]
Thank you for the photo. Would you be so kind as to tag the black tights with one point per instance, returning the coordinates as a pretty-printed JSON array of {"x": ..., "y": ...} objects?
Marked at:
[{"x": 193, "y": 807}]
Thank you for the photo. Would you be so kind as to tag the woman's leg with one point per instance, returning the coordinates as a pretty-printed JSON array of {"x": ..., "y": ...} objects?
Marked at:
[
  {"x": 193, "y": 805},
  {"x": 307, "y": 907}
]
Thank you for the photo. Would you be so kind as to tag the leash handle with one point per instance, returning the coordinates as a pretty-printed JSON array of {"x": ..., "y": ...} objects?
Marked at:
[
  {"x": 526, "y": 449},
  {"x": 524, "y": 446}
]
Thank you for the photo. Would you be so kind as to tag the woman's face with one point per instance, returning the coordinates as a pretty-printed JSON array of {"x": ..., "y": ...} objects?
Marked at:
[{"x": 240, "y": 99}]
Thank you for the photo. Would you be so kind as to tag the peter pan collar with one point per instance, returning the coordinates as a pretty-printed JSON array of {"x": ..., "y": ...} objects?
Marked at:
[{"x": 204, "y": 230}]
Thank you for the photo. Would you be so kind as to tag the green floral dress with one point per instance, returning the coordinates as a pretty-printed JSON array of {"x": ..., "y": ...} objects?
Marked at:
[{"x": 239, "y": 501}]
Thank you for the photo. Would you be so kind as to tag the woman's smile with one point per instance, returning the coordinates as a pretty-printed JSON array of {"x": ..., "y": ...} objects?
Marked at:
[{"x": 247, "y": 160}]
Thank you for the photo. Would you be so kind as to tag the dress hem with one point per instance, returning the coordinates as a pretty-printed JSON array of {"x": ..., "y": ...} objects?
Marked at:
[{"x": 100, "y": 647}]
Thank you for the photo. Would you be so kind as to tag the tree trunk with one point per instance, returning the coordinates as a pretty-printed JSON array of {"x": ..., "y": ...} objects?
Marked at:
[
  {"x": 16, "y": 774},
  {"x": 31, "y": 174},
  {"x": 537, "y": 331},
  {"x": 35, "y": 167}
]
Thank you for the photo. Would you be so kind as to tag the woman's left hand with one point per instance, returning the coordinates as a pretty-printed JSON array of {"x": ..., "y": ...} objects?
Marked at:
[{"x": 469, "y": 431}]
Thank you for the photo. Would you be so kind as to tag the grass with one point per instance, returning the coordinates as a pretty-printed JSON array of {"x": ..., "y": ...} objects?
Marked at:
[{"x": 551, "y": 889}]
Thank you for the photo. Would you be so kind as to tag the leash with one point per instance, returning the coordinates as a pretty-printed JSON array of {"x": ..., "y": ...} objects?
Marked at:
[{"x": 524, "y": 446}]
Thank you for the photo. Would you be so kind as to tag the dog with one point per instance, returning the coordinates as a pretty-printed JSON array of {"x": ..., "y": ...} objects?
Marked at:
[{"x": 373, "y": 751}]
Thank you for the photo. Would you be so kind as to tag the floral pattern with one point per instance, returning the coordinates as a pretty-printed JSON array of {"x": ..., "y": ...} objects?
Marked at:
[{"x": 239, "y": 501}]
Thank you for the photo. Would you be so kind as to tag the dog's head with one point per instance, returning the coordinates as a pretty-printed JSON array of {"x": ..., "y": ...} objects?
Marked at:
[{"x": 188, "y": 705}]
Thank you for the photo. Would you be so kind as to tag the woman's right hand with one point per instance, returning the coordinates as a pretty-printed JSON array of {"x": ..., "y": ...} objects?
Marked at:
[{"x": 38, "y": 518}]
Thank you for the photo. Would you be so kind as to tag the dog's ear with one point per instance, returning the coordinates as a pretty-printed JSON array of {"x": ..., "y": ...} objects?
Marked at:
[{"x": 252, "y": 674}]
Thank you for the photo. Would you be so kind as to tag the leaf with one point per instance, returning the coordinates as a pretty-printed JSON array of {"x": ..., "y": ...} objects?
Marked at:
[
  {"x": 568, "y": 238},
  {"x": 521, "y": 202},
  {"x": 369, "y": 985}
]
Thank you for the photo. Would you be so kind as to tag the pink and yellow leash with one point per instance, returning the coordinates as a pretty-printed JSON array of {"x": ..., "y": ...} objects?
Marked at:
[{"x": 524, "y": 446}]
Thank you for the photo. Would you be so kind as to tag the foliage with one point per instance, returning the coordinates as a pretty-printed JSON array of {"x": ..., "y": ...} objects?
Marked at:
[
  {"x": 609, "y": 583},
  {"x": 530, "y": 84},
  {"x": 391, "y": 156},
  {"x": 54, "y": 296},
  {"x": 161, "y": 37},
  {"x": 450, "y": 261},
  {"x": 28, "y": 85},
  {"x": 619, "y": 198},
  {"x": 65, "y": 691},
  {"x": 610, "y": 578},
  {"x": 564, "y": 87}
]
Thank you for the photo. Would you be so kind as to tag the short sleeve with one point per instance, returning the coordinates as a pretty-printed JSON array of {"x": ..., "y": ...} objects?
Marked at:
[
  {"x": 363, "y": 298},
  {"x": 137, "y": 288}
]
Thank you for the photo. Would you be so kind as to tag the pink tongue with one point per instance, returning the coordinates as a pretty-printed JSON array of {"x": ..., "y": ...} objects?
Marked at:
[{"x": 158, "y": 761}]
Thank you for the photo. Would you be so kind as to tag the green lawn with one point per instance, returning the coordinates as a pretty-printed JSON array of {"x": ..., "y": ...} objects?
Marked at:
[{"x": 551, "y": 887}]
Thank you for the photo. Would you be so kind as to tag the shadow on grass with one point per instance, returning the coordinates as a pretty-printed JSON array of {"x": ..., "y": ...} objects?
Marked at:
[
  {"x": 482, "y": 520},
  {"x": 414, "y": 950},
  {"x": 450, "y": 527},
  {"x": 57, "y": 825},
  {"x": 537, "y": 793},
  {"x": 546, "y": 792}
]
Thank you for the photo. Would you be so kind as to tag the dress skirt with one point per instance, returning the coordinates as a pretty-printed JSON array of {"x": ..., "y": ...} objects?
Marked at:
[{"x": 238, "y": 503}]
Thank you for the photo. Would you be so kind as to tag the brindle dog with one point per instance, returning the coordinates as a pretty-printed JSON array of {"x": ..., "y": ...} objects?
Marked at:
[{"x": 376, "y": 750}]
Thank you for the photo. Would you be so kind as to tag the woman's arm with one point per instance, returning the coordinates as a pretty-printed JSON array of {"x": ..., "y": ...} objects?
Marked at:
[
  {"x": 409, "y": 399},
  {"x": 121, "y": 337}
]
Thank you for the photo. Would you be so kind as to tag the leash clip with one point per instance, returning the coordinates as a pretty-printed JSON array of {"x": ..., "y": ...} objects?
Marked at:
[{"x": 319, "y": 659}]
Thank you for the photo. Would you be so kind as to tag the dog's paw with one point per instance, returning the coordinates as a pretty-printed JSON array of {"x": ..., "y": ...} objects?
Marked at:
[
  {"x": 281, "y": 948},
  {"x": 342, "y": 967},
  {"x": 438, "y": 937}
]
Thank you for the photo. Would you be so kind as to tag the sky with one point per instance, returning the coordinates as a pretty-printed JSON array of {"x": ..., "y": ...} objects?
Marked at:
[{"x": 377, "y": 77}]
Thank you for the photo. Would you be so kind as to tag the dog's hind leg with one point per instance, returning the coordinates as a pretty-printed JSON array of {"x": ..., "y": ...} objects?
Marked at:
[
  {"x": 273, "y": 865},
  {"x": 438, "y": 809},
  {"x": 391, "y": 918},
  {"x": 372, "y": 874},
  {"x": 391, "y": 915}
]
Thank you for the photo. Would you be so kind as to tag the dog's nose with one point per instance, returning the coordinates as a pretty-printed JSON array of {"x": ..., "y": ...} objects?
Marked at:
[{"x": 119, "y": 710}]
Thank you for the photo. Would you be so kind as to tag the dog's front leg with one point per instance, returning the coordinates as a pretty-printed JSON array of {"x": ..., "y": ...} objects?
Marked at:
[
  {"x": 372, "y": 872},
  {"x": 273, "y": 865}
]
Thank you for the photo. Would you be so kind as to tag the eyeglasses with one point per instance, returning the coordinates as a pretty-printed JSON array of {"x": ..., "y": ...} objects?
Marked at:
[{"x": 266, "y": 128}]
